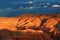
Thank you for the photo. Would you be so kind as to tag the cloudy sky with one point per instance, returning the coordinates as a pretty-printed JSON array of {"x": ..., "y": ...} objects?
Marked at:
[{"x": 17, "y": 7}]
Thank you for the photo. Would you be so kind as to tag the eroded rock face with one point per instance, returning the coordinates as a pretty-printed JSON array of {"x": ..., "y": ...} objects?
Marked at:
[
  {"x": 39, "y": 21},
  {"x": 30, "y": 21}
]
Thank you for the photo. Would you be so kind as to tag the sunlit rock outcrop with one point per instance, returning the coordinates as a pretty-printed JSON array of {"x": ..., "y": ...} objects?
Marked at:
[{"x": 29, "y": 21}]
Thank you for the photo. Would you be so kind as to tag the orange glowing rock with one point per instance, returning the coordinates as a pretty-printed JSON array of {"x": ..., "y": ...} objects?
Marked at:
[
  {"x": 50, "y": 23},
  {"x": 8, "y": 23},
  {"x": 29, "y": 21}
]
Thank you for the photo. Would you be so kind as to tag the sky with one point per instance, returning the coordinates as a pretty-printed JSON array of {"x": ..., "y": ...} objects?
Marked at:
[{"x": 17, "y": 7}]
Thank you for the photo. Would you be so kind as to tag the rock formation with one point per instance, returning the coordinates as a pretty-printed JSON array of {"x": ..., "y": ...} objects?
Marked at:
[{"x": 32, "y": 23}]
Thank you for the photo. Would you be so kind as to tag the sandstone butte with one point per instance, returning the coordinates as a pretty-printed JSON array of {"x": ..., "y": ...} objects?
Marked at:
[{"x": 30, "y": 22}]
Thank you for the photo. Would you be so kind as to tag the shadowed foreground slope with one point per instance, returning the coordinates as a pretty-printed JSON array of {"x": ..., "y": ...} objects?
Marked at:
[{"x": 8, "y": 35}]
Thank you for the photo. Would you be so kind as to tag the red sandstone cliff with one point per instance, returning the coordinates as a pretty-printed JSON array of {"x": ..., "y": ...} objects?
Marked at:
[{"x": 28, "y": 21}]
